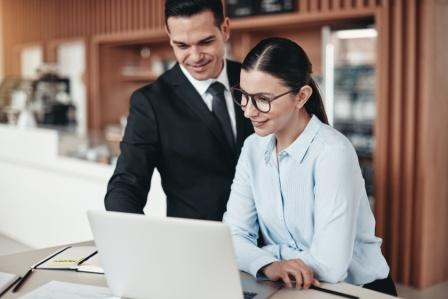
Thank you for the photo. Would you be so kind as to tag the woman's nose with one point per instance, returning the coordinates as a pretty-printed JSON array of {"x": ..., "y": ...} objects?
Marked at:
[{"x": 250, "y": 110}]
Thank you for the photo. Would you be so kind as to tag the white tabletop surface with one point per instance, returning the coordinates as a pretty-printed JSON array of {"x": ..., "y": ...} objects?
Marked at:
[{"x": 20, "y": 263}]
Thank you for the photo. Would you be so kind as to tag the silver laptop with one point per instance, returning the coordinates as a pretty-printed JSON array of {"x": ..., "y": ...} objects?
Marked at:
[{"x": 151, "y": 257}]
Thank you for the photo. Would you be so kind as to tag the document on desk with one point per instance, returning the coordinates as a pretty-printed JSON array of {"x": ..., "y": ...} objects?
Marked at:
[
  {"x": 76, "y": 258},
  {"x": 6, "y": 280},
  {"x": 64, "y": 290}
]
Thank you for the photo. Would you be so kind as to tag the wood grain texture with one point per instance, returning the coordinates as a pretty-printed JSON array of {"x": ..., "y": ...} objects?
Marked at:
[
  {"x": 433, "y": 158},
  {"x": 411, "y": 161}
]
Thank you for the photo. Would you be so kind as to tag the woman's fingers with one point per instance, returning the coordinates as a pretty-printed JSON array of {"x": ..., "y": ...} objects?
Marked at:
[
  {"x": 298, "y": 278},
  {"x": 292, "y": 270},
  {"x": 305, "y": 272},
  {"x": 286, "y": 280},
  {"x": 307, "y": 277}
]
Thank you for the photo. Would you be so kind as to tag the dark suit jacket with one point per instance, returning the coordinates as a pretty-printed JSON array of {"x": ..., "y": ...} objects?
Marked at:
[{"x": 171, "y": 128}]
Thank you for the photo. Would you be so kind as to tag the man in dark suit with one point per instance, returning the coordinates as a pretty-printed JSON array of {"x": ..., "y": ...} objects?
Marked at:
[{"x": 185, "y": 123}]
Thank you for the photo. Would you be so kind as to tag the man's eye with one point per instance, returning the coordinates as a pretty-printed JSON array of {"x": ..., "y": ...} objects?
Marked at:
[
  {"x": 207, "y": 42},
  {"x": 182, "y": 46}
]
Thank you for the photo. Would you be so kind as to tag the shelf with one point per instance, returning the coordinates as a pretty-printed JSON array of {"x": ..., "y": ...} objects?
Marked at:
[
  {"x": 282, "y": 20},
  {"x": 132, "y": 38},
  {"x": 347, "y": 90},
  {"x": 138, "y": 77},
  {"x": 354, "y": 123}
]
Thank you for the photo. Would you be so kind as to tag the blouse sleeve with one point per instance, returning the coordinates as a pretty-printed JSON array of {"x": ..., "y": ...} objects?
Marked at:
[{"x": 241, "y": 216}]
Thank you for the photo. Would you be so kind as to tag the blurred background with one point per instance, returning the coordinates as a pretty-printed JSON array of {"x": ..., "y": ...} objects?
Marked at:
[{"x": 68, "y": 67}]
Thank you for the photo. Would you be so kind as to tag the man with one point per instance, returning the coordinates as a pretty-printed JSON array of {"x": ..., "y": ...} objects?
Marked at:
[{"x": 185, "y": 123}]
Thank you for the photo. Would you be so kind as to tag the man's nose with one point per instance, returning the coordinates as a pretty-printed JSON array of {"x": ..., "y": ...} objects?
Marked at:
[{"x": 195, "y": 53}]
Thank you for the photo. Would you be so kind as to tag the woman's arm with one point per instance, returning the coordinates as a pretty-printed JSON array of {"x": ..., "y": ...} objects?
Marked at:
[{"x": 242, "y": 218}]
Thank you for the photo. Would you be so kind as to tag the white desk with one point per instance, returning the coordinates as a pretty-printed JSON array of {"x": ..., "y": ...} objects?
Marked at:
[{"x": 20, "y": 263}]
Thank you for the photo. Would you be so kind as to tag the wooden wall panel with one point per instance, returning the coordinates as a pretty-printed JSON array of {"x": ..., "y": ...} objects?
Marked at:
[
  {"x": 43, "y": 20},
  {"x": 433, "y": 145},
  {"x": 411, "y": 142},
  {"x": 411, "y": 160},
  {"x": 396, "y": 105}
]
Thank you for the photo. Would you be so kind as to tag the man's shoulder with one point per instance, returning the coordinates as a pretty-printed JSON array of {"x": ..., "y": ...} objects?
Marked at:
[
  {"x": 160, "y": 87},
  {"x": 233, "y": 64}
]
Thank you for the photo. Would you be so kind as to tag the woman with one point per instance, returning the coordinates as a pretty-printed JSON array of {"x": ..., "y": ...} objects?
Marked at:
[{"x": 298, "y": 181}]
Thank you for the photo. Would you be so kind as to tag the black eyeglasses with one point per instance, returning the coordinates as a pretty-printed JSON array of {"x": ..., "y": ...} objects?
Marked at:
[{"x": 261, "y": 101}]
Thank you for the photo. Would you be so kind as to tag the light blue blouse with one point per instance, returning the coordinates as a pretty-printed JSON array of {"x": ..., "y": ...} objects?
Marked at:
[{"x": 310, "y": 204}]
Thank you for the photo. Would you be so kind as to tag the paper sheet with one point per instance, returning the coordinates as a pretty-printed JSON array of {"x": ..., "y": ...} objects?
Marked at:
[
  {"x": 92, "y": 265},
  {"x": 65, "y": 290},
  {"x": 5, "y": 280}
]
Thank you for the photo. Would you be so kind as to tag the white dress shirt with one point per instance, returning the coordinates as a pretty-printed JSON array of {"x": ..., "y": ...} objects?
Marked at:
[{"x": 201, "y": 87}]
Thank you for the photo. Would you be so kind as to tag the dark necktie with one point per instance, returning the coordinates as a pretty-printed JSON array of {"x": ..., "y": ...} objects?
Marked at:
[{"x": 220, "y": 111}]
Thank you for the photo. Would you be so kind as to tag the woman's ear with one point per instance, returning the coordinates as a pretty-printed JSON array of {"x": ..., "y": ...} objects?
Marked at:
[{"x": 302, "y": 97}]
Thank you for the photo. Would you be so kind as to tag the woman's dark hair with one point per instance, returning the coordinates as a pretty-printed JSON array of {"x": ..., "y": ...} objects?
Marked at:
[
  {"x": 188, "y": 8},
  {"x": 286, "y": 60}
]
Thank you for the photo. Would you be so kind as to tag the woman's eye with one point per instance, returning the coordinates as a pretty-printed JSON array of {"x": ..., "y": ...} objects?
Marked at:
[{"x": 263, "y": 99}]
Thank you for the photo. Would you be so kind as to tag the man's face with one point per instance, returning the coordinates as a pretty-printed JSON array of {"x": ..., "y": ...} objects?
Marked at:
[{"x": 198, "y": 44}]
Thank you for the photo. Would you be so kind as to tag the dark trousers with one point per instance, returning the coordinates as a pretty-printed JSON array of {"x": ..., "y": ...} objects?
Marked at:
[{"x": 386, "y": 286}]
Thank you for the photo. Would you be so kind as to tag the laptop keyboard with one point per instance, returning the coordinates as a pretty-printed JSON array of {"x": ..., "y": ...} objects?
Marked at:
[{"x": 249, "y": 295}]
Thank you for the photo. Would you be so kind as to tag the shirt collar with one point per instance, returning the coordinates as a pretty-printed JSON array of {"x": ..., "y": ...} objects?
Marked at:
[
  {"x": 201, "y": 86},
  {"x": 299, "y": 147}
]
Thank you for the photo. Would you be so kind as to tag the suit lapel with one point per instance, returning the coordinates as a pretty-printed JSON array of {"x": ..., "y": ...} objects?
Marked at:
[{"x": 188, "y": 94}]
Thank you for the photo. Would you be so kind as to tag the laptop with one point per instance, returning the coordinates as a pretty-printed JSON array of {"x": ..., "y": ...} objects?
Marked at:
[{"x": 157, "y": 257}]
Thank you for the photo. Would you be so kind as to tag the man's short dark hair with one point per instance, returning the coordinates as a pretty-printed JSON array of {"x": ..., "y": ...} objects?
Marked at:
[{"x": 188, "y": 8}]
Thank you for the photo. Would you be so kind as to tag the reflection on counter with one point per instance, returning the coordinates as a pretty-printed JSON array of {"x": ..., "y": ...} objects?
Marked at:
[{"x": 100, "y": 147}]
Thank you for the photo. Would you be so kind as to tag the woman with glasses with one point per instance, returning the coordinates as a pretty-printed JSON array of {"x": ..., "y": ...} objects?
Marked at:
[{"x": 298, "y": 182}]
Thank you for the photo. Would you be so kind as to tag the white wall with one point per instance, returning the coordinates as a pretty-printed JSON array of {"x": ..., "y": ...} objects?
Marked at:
[
  {"x": 31, "y": 58},
  {"x": 72, "y": 64},
  {"x": 43, "y": 197}
]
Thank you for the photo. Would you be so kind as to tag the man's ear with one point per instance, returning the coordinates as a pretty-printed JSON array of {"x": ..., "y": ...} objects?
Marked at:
[
  {"x": 302, "y": 97},
  {"x": 167, "y": 30},
  {"x": 225, "y": 29}
]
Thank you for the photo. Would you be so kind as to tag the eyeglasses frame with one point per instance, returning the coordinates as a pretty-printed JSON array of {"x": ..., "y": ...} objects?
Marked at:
[{"x": 251, "y": 97}]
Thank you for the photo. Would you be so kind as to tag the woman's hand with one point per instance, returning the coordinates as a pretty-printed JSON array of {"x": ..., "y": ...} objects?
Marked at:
[{"x": 289, "y": 271}]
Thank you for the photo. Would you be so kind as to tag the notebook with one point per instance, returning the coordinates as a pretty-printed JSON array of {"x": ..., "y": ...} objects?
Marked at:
[{"x": 77, "y": 258}]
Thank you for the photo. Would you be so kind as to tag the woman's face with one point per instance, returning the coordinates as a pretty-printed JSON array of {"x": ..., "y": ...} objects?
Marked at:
[{"x": 283, "y": 110}]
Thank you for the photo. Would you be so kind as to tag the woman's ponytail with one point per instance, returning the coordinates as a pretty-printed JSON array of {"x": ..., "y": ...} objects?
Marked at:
[{"x": 315, "y": 105}]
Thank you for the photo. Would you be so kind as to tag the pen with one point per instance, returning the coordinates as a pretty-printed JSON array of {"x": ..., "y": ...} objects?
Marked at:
[
  {"x": 10, "y": 286},
  {"x": 22, "y": 281},
  {"x": 30, "y": 271},
  {"x": 87, "y": 257},
  {"x": 333, "y": 292},
  {"x": 328, "y": 291}
]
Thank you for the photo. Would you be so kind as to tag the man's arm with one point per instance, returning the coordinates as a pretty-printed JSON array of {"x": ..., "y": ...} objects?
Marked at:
[{"x": 128, "y": 187}]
